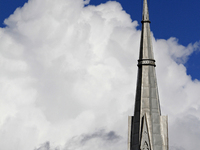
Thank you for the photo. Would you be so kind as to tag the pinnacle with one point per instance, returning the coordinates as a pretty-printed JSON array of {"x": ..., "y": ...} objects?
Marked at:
[{"x": 145, "y": 15}]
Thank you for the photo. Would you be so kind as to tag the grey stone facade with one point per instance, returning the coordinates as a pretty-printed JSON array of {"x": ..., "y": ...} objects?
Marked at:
[{"x": 148, "y": 130}]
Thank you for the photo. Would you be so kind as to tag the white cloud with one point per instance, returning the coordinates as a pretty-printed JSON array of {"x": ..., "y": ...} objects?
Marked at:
[{"x": 69, "y": 72}]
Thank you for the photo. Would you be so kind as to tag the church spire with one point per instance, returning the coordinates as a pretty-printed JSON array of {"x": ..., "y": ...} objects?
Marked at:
[
  {"x": 146, "y": 50},
  {"x": 145, "y": 14},
  {"x": 147, "y": 128}
]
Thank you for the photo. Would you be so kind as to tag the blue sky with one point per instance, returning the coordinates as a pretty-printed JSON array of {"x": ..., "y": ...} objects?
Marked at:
[{"x": 172, "y": 18}]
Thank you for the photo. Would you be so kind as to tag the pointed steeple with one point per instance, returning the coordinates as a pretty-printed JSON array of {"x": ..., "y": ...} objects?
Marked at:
[
  {"x": 145, "y": 14},
  {"x": 146, "y": 50},
  {"x": 147, "y": 128}
]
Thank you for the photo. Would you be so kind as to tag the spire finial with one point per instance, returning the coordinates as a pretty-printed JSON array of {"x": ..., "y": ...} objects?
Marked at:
[
  {"x": 146, "y": 50},
  {"x": 145, "y": 15}
]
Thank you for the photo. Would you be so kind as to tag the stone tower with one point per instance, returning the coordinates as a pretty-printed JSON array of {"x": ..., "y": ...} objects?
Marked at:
[{"x": 148, "y": 130}]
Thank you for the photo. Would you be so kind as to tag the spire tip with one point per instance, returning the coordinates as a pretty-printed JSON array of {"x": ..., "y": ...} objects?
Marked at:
[{"x": 145, "y": 15}]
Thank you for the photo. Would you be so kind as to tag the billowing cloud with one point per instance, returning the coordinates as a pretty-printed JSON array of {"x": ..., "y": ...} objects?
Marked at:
[
  {"x": 97, "y": 140},
  {"x": 68, "y": 76}
]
